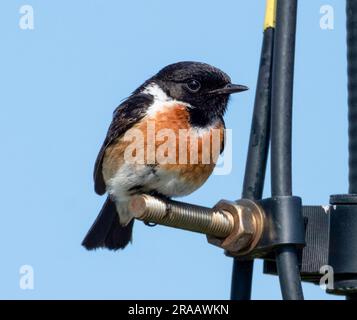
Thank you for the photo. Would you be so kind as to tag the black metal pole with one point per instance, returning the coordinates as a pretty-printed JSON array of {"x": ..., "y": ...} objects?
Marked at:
[
  {"x": 352, "y": 92},
  {"x": 351, "y": 11},
  {"x": 256, "y": 159},
  {"x": 282, "y": 98}
]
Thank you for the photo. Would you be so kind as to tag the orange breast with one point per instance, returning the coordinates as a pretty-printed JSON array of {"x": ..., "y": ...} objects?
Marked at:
[{"x": 168, "y": 141}]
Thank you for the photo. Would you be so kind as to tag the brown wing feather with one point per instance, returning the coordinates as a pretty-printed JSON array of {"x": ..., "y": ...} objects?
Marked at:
[{"x": 124, "y": 117}]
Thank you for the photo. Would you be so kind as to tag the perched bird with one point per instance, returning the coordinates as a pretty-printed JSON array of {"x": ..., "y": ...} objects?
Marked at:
[{"x": 184, "y": 95}]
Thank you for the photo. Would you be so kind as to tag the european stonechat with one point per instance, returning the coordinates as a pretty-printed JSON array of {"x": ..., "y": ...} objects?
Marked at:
[{"x": 160, "y": 142}]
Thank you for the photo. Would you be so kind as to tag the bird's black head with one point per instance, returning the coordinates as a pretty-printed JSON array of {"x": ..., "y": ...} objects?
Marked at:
[{"x": 205, "y": 88}]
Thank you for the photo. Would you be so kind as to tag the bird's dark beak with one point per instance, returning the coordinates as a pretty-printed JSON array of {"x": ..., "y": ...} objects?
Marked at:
[{"x": 229, "y": 89}]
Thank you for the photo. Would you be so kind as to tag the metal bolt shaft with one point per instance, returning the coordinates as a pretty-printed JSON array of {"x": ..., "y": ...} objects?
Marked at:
[{"x": 182, "y": 215}]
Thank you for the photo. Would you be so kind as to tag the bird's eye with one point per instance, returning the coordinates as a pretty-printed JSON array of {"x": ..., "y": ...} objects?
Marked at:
[{"x": 193, "y": 85}]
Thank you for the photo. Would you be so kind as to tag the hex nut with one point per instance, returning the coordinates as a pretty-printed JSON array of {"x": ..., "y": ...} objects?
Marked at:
[{"x": 248, "y": 226}]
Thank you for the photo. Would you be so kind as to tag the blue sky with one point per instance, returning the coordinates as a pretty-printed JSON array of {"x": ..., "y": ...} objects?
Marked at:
[{"x": 59, "y": 85}]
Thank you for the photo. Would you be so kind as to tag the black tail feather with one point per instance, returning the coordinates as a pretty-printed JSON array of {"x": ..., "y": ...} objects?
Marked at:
[{"x": 106, "y": 231}]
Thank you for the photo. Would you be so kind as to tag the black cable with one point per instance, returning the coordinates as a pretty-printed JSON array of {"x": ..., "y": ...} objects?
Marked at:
[
  {"x": 242, "y": 276},
  {"x": 351, "y": 11},
  {"x": 282, "y": 98},
  {"x": 256, "y": 159},
  {"x": 260, "y": 129},
  {"x": 352, "y": 92},
  {"x": 289, "y": 273}
]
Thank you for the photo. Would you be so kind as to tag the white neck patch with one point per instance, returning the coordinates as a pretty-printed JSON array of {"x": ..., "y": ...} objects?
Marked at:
[
  {"x": 158, "y": 94},
  {"x": 161, "y": 99}
]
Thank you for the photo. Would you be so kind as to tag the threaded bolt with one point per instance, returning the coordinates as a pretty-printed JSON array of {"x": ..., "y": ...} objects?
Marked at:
[{"x": 216, "y": 223}]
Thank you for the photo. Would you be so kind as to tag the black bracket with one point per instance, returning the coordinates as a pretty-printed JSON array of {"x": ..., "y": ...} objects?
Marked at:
[
  {"x": 315, "y": 254},
  {"x": 279, "y": 228},
  {"x": 283, "y": 224},
  {"x": 343, "y": 243},
  {"x": 331, "y": 241}
]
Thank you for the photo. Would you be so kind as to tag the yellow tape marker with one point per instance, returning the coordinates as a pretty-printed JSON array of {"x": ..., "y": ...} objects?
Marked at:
[{"x": 270, "y": 14}]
